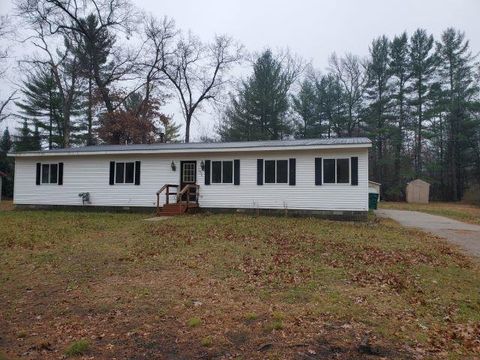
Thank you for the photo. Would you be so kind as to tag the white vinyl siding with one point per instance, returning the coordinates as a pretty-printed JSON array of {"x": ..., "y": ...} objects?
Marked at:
[{"x": 91, "y": 174}]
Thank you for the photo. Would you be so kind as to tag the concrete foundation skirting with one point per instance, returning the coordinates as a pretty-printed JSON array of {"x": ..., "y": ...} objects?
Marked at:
[
  {"x": 322, "y": 214},
  {"x": 88, "y": 208}
]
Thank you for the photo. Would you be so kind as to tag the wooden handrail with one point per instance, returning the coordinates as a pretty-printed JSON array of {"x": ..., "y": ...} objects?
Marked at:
[
  {"x": 165, "y": 186},
  {"x": 187, "y": 190},
  {"x": 167, "y": 193}
]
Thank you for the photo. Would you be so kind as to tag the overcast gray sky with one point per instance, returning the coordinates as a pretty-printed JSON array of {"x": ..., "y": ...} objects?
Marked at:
[{"x": 312, "y": 29}]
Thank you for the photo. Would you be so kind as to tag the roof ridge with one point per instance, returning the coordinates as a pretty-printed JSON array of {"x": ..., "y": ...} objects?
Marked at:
[{"x": 206, "y": 146}]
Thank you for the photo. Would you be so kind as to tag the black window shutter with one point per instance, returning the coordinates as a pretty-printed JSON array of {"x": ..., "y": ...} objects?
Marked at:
[
  {"x": 112, "y": 172},
  {"x": 293, "y": 171},
  {"x": 236, "y": 172},
  {"x": 60, "y": 174},
  {"x": 137, "y": 172},
  {"x": 259, "y": 171},
  {"x": 318, "y": 171},
  {"x": 354, "y": 168},
  {"x": 39, "y": 170},
  {"x": 207, "y": 172}
]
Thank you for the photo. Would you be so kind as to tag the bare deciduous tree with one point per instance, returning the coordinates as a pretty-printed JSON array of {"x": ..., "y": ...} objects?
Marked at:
[
  {"x": 352, "y": 76},
  {"x": 6, "y": 30},
  {"x": 71, "y": 21},
  {"x": 196, "y": 71},
  {"x": 65, "y": 71}
]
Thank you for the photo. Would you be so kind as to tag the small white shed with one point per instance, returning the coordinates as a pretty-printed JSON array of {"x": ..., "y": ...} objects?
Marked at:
[
  {"x": 418, "y": 191},
  {"x": 374, "y": 187}
]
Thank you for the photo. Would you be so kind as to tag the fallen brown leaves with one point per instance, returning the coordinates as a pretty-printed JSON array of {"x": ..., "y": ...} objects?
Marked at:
[{"x": 257, "y": 287}]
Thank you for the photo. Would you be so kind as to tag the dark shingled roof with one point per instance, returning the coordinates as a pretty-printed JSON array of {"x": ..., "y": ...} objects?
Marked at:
[{"x": 206, "y": 146}]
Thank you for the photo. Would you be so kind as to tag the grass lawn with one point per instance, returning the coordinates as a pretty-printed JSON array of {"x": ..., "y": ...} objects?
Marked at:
[
  {"x": 107, "y": 286},
  {"x": 457, "y": 211}
]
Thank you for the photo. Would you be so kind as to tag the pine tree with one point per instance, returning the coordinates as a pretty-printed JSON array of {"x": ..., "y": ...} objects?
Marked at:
[
  {"x": 171, "y": 131},
  {"x": 41, "y": 103},
  {"x": 457, "y": 77},
  {"x": 306, "y": 105},
  {"x": 400, "y": 71},
  {"x": 6, "y": 142},
  {"x": 423, "y": 66},
  {"x": 259, "y": 109},
  {"x": 379, "y": 95},
  {"x": 333, "y": 107},
  {"x": 6, "y": 164},
  {"x": 93, "y": 49},
  {"x": 27, "y": 140}
]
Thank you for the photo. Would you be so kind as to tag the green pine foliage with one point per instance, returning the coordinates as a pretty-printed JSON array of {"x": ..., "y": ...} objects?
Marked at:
[
  {"x": 417, "y": 99},
  {"x": 42, "y": 104},
  {"x": 27, "y": 140},
  {"x": 6, "y": 164},
  {"x": 259, "y": 109},
  {"x": 308, "y": 122}
]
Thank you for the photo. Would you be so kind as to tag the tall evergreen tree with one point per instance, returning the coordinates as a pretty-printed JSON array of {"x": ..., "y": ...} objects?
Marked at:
[
  {"x": 6, "y": 142},
  {"x": 93, "y": 47},
  {"x": 306, "y": 105},
  {"x": 27, "y": 140},
  {"x": 259, "y": 109},
  {"x": 41, "y": 103},
  {"x": 379, "y": 94},
  {"x": 171, "y": 131},
  {"x": 332, "y": 103},
  {"x": 457, "y": 78},
  {"x": 6, "y": 164},
  {"x": 423, "y": 66},
  {"x": 400, "y": 71}
]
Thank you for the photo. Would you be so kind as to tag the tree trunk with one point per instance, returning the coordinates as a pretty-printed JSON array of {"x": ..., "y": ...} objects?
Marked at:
[
  {"x": 90, "y": 114},
  {"x": 50, "y": 123},
  {"x": 399, "y": 140},
  {"x": 418, "y": 149},
  {"x": 103, "y": 90},
  {"x": 66, "y": 128},
  {"x": 188, "y": 121}
]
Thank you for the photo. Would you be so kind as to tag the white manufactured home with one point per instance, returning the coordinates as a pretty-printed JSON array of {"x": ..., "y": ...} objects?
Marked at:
[{"x": 317, "y": 176}]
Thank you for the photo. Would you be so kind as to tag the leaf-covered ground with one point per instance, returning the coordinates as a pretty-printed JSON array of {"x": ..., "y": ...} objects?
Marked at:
[
  {"x": 112, "y": 286},
  {"x": 457, "y": 211}
]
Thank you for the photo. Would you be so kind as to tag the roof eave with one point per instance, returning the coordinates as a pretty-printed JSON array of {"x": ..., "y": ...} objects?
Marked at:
[
  {"x": 193, "y": 150},
  {"x": 190, "y": 151}
]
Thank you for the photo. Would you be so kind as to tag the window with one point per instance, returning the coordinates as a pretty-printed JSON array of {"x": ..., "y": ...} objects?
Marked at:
[
  {"x": 45, "y": 173},
  {"x": 53, "y": 173},
  {"x": 282, "y": 171},
  {"x": 129, "y": 172},
  {"x": 216, "y": 172},
  {"x": 343, "y": 173},
  {"x": 49, "y": 173},
  {"x": 276, "y": 171},
  {"x": 227, "y": 172},
  {"x": 222, "y": 172},
  {"x": 269, "y": 171},
  {"x": 120, "y": 172},
  {"x": 124, "y": 172},
  {"x": 188, "y": 172},
  {"x": 336, "y": 171}
]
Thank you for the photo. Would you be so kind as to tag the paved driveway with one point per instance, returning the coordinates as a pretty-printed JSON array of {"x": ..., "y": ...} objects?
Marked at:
[{"x": 466, "y": 236}]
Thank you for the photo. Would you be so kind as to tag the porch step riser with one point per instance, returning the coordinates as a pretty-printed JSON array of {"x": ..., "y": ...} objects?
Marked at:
[{"x": 175, "y": 209}]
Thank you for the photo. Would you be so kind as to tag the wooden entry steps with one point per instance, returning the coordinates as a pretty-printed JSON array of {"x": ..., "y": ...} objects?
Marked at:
[
  {"x": 176, "y": 209},
  {"x": 186, "y": 199}
]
